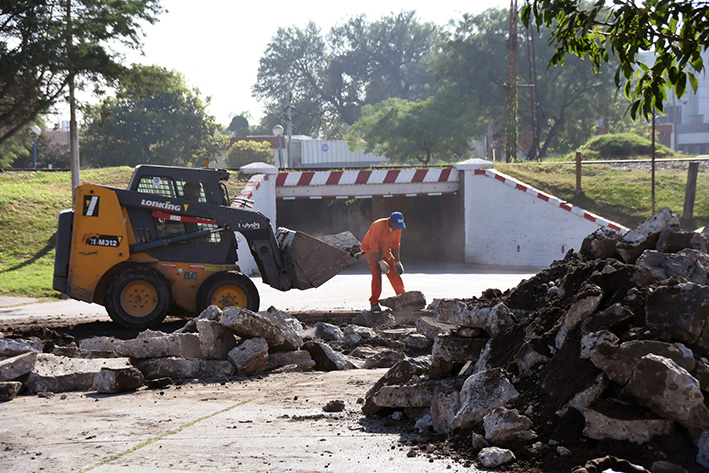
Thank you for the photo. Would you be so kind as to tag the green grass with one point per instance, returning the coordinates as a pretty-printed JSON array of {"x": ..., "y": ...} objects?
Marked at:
[
  {"x": 618, "y": 194},
  {"x": 31, "y": 201}
]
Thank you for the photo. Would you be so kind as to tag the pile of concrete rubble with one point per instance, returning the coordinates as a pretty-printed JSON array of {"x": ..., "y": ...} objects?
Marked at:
[
  {"x": 601, "y": 357},
  {"x": 215, "y": 346}
]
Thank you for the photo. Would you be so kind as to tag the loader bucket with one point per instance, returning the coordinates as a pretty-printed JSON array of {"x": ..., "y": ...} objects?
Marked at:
[{"x": 316, "y": 261}]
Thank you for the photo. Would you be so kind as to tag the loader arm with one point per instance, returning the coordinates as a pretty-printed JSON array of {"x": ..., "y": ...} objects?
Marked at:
[{"x": 275, "y": 269}]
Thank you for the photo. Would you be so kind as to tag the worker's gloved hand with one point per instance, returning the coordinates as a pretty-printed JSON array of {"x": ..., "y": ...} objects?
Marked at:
[
  {"x": 399, "y": 268},
  {"x": 383, "y": 266}
]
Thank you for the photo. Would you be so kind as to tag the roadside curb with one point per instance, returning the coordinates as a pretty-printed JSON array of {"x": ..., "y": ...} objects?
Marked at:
[{"x": 10, "y": 301}]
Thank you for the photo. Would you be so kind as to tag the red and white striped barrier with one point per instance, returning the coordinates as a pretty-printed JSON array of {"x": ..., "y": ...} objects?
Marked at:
[
  {"x": 379, "y": 183},
  {"x": 510, "y": 181},
  {"x": 247, "y": 193}
]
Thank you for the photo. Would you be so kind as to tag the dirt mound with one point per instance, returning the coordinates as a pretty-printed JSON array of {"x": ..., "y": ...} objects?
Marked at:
[{"x": 603, "y": 353}]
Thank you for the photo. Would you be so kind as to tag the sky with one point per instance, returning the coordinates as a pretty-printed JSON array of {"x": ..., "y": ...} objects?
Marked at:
[{"x": 217, "y": 44}]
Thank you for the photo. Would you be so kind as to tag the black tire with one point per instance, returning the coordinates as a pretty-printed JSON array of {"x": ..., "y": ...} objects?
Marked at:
[
  {"x": 138, "y": 297},
  {"x": 228, "y": 289}
]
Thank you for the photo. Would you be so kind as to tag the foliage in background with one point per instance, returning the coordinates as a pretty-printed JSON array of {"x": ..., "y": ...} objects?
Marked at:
[
  {"x": 36, "y": 60},
  {"x": 675, "y": 32},
  {"x": 472, "y": 67},
  {"x": 621, "y": 146},
  {"x": 244, "y": 152},
  {"x": 327, "y": 80},
  {"x": 424, "y": 131},
  {"x": 159, "y": 122}
]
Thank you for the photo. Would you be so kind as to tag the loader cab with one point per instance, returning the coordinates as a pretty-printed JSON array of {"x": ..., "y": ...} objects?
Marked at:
[
  {"x": 203, "y": 186},
  {"x": 168, "y": 181}
]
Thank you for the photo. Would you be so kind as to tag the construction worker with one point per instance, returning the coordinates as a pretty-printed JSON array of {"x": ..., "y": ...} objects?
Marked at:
[{"x": 381, "y": 249}]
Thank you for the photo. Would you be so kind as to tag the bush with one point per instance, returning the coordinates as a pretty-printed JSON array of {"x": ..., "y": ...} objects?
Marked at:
[
  {"x": 244, "y": 152},
  {"x": 621, "y": 146}
]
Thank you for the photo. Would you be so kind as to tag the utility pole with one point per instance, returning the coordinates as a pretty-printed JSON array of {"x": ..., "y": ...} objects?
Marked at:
[
  {"x": 73, "y": 128},
  {"x": 534, "y": 95},
  {"x": 511, "y": 86}
]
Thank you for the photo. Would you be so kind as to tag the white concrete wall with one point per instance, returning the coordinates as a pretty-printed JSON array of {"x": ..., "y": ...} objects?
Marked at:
[
  {"x": 261, "y": 189},
  {"x": 510, "y": 226}
]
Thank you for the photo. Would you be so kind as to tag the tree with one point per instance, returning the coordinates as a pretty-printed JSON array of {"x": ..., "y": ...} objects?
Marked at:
[
  {"x": 675, "y": 32},
  {"x": 243, "y": 152},
  {"x": 165, "y": 123},
  {"x": 327, "y": 80},
  {"x": 239, "y": 125},
  {"x": 570, "y": 99},
  {"x": 41, "y": 48},
  {"x": 424, "y": 131}
]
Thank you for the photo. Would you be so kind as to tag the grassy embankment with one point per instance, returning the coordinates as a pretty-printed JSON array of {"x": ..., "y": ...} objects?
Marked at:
[{"x": 31, "y": 201}]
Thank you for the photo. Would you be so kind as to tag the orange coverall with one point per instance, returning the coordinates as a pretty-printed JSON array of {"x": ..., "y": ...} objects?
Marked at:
[{"x": 381, "y": 239}]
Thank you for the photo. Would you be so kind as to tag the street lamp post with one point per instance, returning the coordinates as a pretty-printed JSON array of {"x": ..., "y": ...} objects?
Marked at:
[
  {"x": 35, "y": 131},
  {"x": 278, "y": 131}
]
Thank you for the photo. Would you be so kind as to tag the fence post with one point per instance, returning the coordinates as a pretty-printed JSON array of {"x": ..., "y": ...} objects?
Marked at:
[
  {"x": 690, "y": 192},
  {"x": 578, "y": 174}
]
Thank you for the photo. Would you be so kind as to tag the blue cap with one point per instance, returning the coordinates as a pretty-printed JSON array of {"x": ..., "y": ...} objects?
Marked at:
[{"x": 397, "y": 218}]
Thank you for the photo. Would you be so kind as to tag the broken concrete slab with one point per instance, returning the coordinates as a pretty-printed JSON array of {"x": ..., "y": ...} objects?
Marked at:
[
  {"x": 481, "y": 393},
  {"x": 584, "y": 304},
  {"x": 452, "y": 350},
  {"x": 16, "y": 366},
  {"x": 492, "y": 457},
  {"x": 9, "y": 390},
  {"x": 374, "y": 319},
  {"x": 654, "y": 266},
  {"x": 117, "y": 380},
  {"x": 148, "y": 344},
  {"x": 299, "y": 358},
  {"x": 668, "y": 390},
  {"x": 328, "y": 332},
  {"x": 444, "y": 406},
  {"x": 408, "y": 301},
  {"x": 601, "y": 244},
  {"x": 248, "y": 324},
  {"x": 215, "y": 340},
  {"x": 18, "y": 346},
  {"x": 618, "y": 361},
  {"x": 250, "y": 358},
  {"x": 290, "y": 326},
  {"x": 681, "y": 309},
  {"x": 383, "y": 359},
  {"x": 674, "y": 239},
  {"x": 703, "y": 449},
  {"x": 645, "y": 236},
  {"x": 400, "y": 373},
  {"x": 507, "y": 426},
  {"x": 431, "y": 328},
  {"x": 179, "y": 368},
  {"x": 418, "y": 342},
  {"x": 59, "y": 374},
  {"x": 456, "y": 312},
  {"x": 615, "y": 421},
  {"x": 326, "y": 359},
  {"x": 418, "y": 395},
  {"x": 212, "y": 312}
]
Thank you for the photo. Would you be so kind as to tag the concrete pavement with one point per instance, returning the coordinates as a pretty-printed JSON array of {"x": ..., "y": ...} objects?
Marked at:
[{"x": 348, "y": 291}]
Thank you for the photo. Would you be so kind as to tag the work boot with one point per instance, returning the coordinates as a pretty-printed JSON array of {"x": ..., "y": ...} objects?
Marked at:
[{"x": 376, "y": 308}]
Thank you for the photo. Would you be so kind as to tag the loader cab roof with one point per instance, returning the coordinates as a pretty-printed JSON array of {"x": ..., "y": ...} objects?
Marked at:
[{"x": 170, "y": 181}]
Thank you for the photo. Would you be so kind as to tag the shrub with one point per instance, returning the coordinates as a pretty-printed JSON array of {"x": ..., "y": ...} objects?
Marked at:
[
  {"x": 621, "y": 146},
  {"x": 244, "y": 152}
]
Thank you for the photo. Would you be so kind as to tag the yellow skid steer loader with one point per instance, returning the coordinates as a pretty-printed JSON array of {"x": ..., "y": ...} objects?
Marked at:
[{"x": 167, "y": 245}]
